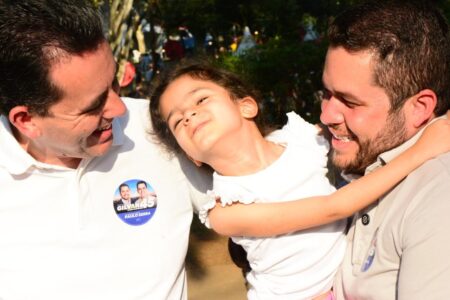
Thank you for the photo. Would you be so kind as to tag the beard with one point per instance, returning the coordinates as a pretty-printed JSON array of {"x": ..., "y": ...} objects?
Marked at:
[{"x": 389, "y": 137}]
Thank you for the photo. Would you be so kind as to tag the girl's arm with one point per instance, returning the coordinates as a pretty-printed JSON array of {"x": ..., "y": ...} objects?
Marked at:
[{"x": 268, "y": 219}]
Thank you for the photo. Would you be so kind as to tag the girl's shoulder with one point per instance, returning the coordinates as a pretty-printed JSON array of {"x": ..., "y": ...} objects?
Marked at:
[{"x": 299, "y": 132}]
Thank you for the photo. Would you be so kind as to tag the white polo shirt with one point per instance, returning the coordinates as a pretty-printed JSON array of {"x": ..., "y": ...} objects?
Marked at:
[{"x": 61, "y": 237}]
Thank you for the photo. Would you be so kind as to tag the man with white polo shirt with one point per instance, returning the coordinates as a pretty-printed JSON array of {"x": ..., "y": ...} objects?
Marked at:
[{"x": 68, "y": 143}]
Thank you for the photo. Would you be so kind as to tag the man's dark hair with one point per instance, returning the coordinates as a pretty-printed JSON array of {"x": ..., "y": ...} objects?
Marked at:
[
  {"x": 123, "y": 185},
  {"x": 410, "y": 42},
  {"x": 236, "y": 88},
  {"x": 35, "y": 35},
  {"x": 140, "y": 182}
]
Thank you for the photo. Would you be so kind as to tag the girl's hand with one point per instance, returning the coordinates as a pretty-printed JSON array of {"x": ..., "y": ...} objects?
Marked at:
[{"x": 435, "y": 139}]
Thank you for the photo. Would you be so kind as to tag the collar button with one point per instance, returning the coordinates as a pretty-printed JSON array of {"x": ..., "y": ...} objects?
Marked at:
[{"x": 365, "y": 219}]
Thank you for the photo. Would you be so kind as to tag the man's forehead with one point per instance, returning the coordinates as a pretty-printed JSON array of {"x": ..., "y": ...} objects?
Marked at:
[
  {"x": 83, "y": 77},
  {"x": 341, "y": 64},
  {"x": 363, "y": 56}
]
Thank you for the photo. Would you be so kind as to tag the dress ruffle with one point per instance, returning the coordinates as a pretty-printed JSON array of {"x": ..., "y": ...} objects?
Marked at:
[{"x": 224, "y": 200}]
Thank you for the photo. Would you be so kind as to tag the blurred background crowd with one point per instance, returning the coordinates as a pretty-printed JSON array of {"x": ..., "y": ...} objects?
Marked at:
[{"x": 277, "y": 45}]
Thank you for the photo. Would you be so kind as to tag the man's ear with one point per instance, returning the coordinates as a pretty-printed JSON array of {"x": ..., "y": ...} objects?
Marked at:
[
  {"x": 248, "y": 107},
  {"x": 196, "y": 162},
  {"x": 419, "y": 109},
  {"x": 20, "y": 118}
]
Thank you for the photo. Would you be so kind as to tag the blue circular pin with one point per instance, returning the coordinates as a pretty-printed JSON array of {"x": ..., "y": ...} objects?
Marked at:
[{"x": 135, "y": 202}]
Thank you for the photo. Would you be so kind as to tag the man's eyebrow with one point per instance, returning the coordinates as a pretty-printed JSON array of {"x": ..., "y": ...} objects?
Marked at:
[
  {"x": 97, "y": 103},
  {"x": 340, "y": 94},
  {"x": 344, "y": 95},
  {"x": 100, "y": 100}
]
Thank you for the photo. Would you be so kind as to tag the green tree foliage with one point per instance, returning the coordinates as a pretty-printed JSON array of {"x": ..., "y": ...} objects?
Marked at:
[
  {"x": 288, "y": 74},
  {"x": 282, "y": 66}
]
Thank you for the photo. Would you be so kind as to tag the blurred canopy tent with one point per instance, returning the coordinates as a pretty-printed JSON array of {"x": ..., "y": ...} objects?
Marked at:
[
  {"x": 247, "y": 42},
  {"x": 311, "y": 34}
]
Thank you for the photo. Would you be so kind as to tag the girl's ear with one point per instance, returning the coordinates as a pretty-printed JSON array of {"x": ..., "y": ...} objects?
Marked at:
[
  {"x": 196, "y": 162},
  {"x": 20, "y": 118},
  {"x": 248, "y": 107}
]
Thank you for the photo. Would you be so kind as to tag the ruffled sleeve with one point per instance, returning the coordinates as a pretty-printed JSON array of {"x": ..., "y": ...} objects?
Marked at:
[
  {"x": 301, "y": 133},
  {"x": 204, "y": 210},
  {"x": 226, "y": 192}
]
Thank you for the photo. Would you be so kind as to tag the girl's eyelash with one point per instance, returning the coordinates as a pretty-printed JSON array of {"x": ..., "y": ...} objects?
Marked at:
[{"x": 176, "y": 123}]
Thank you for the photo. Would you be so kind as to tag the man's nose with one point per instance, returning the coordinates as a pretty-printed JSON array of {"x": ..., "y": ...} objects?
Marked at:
[
  {"x": 331, "y": 112},
  {"x": 114, "y": 106}
]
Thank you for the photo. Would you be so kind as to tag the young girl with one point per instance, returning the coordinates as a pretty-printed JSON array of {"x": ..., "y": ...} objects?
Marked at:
[{"x": 210, "y": 114}]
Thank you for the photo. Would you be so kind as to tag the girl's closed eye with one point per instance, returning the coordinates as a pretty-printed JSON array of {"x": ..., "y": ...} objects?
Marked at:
[
  {"x": 176, "y": 123},
  {"x": 202, "y": 100}
]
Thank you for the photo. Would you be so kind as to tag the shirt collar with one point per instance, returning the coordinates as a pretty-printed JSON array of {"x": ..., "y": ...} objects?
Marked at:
[
  {"x": 13, "y": 157},
  {"x": 17, "y": 161}
]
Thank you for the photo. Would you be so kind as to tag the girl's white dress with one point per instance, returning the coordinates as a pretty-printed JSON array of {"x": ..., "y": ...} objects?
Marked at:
[{"x": 300, "y": 265}]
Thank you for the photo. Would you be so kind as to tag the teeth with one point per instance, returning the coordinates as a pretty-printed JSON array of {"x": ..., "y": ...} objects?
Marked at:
[
  {"x": 342, "y": 138},
  {"x": 105, "y": 127}
]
